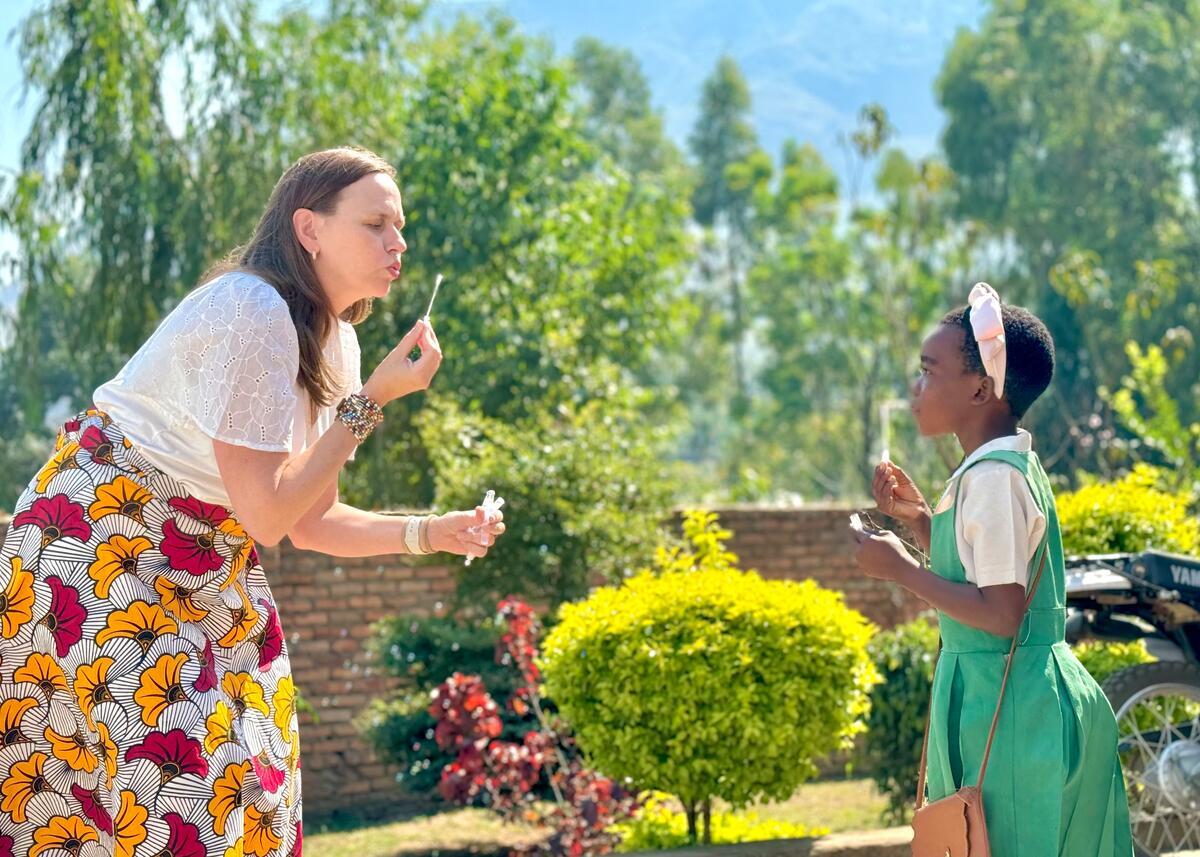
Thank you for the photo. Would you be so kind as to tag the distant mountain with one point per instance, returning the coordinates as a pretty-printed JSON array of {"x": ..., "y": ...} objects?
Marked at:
[{"x": 810, "y": 64}]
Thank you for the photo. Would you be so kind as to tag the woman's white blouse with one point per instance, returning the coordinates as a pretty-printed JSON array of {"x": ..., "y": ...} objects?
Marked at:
[{"x": 223, "y": 365}]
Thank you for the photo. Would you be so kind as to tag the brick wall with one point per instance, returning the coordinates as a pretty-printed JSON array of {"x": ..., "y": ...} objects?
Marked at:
[
  {"x": 814, "y": 542},
  {"x": 327, "y": 605}
]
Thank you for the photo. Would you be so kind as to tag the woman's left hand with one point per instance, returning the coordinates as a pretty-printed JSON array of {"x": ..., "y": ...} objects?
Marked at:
[
  {"x": 881, "y": 554},
  {"x": 466, "y": 533}
]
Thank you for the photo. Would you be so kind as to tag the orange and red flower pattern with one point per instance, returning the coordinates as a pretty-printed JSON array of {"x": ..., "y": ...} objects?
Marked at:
[{"x": 146, "y": 698}]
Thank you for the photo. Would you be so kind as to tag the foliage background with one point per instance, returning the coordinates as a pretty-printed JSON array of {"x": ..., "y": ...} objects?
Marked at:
[{"x": 751, "y": 310}]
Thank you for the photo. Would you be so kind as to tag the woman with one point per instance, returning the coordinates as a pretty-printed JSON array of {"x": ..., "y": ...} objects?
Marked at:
[{"x": 146, "y": 697}]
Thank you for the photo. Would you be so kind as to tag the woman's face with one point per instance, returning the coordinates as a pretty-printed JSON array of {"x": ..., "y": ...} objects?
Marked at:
[{"x": 359, "y": 244}]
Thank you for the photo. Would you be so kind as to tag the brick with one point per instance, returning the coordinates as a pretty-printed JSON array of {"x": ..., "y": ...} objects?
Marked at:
[
  {"x": 359, "y": 575},
  {"x": 310, "y": 647},
  {"x": 310, "y": 618}
]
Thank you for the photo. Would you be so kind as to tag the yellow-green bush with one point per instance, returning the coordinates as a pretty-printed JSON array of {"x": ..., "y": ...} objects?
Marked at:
[
  {"x": 703, "y": 681},
  {"x": 657, "y": 827},
  {"x": 1103, "y": 658},
  {"x": 1127, "y": 516}
]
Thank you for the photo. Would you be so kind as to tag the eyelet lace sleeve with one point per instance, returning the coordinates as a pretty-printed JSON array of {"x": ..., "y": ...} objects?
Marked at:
[{"x": 226, "y": 359}]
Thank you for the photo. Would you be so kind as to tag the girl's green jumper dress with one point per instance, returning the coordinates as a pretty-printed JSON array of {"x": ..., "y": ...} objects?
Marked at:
[{"x": 1054, "y": 784}]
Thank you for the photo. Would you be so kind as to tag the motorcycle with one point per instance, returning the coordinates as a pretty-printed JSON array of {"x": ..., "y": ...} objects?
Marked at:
[{"x": 1151, "y": 596}]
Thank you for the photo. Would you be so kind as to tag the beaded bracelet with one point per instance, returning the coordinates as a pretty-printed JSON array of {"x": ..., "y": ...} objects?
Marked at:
[{"x": 360, "y": 414}]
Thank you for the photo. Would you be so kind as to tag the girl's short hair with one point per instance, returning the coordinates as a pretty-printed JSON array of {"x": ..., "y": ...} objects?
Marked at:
[{"x": 1030, "y": 354}]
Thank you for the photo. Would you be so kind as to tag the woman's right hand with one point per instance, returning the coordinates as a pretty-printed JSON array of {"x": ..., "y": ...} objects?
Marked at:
[
  {"x": 398, "y": 374},
  {"x": 469, "y": 534},
  {"x": 896, "y": 494}
]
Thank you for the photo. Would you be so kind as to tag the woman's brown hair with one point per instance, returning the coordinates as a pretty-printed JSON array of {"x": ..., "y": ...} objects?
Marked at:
[{"x": 275, "y": 254}]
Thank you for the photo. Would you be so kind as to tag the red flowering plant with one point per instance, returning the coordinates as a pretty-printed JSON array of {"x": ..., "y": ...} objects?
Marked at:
[{"x": 506, "y": 775}]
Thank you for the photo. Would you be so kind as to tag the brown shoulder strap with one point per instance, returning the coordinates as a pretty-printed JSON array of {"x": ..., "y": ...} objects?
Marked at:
[
  {"x": 987, "y": 751},
  {"x": 925, "y": 740}
]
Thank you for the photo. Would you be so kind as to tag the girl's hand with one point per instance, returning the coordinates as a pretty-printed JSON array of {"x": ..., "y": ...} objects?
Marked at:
[
  {"x": 880, "y": 554},
  {"x": 897, "y": 495},
  {"x": 466, "y": 533},
  {"x": 397, "y": 374}
]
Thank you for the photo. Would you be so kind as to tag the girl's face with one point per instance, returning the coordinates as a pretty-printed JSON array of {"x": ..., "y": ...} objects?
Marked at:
[
  {"x": 944, "y": 391},
  {"x": 360, "y": 244}
]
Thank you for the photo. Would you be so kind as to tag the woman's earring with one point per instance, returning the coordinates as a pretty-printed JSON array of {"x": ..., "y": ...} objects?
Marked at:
[{"x": 313, "y": 253}]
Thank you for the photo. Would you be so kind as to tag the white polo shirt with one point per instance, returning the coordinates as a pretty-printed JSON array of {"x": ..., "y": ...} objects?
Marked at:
[{"x": 998, "y": 525}]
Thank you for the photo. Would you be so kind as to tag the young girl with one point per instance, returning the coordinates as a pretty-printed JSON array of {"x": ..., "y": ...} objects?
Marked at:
[{"x": 1054, "y": 783}]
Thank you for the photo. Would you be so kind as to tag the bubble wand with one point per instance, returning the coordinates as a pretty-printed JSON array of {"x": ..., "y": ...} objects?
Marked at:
[
  {"x": 437, "y": 284},
  {"x": 491, "y": 503}
]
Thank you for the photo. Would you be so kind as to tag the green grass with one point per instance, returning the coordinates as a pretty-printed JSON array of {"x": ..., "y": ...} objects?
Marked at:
[
  {"x": 457, "y": 831},
  {"x": 839, "y": 805}
]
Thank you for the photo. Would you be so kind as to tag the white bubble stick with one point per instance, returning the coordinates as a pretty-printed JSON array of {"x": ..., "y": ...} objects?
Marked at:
[
  {"x": 437, "y": 284},
  {"x": 491, "y": 503}
]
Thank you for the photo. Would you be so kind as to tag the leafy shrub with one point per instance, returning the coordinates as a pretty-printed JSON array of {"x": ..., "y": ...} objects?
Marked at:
[
  {"x": 904, "y": 657},
  {"x": 1106, "y": 659},
  {"x": 704, "y": 681},
  {"x": 584, "y": 805},
  {"x": 1102, "y": 659},
  {"x": 1127, "y": 516},
  {"x": 424, "y": 650},
  {"x": 585, "y": 491}
]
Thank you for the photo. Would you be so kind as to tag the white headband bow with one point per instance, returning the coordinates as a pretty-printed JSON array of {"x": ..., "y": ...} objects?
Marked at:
[{"x": 988, "y": 325}]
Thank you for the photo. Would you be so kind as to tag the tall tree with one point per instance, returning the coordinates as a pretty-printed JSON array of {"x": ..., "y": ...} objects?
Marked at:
[
  {"x": 96, "y": 205},
  {"x": 614, "y": 98},
  {"x": 1074, "y": 132},
  {"x": 844, "y": 306},
  {"x": 722, "y": 141}
]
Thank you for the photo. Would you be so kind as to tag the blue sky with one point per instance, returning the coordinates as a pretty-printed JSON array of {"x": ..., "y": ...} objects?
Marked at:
[{"x": 810, "y": 64}]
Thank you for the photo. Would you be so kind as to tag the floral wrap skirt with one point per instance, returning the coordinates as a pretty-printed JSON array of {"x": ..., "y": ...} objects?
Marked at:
[{"x": 146, "y": 700}]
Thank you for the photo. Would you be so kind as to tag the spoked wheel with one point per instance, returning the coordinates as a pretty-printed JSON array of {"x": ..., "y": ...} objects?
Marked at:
[{"x": 1158, "y": 721}]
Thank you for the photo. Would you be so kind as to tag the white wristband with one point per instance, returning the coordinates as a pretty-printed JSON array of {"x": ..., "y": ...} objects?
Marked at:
[{"x": 412, "y": 535}]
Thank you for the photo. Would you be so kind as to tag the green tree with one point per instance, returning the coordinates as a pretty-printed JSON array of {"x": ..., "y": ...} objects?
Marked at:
[
  {"x": 95, "y": 208},
  {"x": 843, "y": 308},
  {"x": 614, "y": 100},
  {"x": 558, "y": 274},
  {"x": 1073, "y": 131},
  {"x": 728, "y": 162},
  {"x": 554, "y": 266}
]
